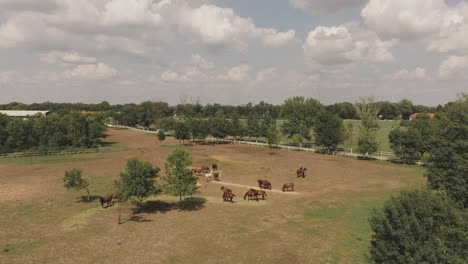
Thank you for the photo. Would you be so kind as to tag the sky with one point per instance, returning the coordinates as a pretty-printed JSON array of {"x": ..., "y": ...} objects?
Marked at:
[{"x": 232, "y": 51}]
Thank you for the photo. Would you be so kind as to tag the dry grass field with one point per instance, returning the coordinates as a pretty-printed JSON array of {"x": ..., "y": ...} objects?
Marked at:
[{"x": 324, "y": 221}]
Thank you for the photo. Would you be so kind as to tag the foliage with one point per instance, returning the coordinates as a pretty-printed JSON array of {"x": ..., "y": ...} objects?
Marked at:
[
  {"x": 448, "y": 161},
  {"x": 367, "y": 111},
  {"x": 179, "y": 179},
  {"x": 301, "y": 115},
  {"x": 182, "y": 131},
  {"x": 419, "y": 227},
  {"x": 329, "y": 130},
  {"x": 412, "y": 142},
  {"x": 138, "y": 180},
  {"x": 273, "y": 136},
  {"x": 161, "y": 136},
  {"x": 237, "y": 127},
  {"x": 73, "y": 180},
  {"x": 367, "y": 143}
]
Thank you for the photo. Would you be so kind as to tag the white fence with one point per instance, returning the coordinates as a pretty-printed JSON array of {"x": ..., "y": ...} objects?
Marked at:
[{"x": 48, "y": 153}]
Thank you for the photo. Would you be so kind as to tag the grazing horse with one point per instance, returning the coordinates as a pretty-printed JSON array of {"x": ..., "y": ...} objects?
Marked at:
[
  {"x": 228, "y": 196},
  {"x": 261, "y": 192},
  {"x": 214, "y": 166},
  {"x": 107, "y": 199},
  {"x": 226, "y": 190},
  {"x": 216, "y": 176},
  {"x": 301, "y": 172},
  {"x": 288, "y": 186},
  {"x": 264, "y": 184},
  {"x": 205, "y": 169},
  {"x": 252, "y": 194},
  {"x": 197, "y": 171}
]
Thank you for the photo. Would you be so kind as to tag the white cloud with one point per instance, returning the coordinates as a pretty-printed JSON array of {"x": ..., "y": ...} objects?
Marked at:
[
  {"x": 326, "y": 7},
  {"x": 199, "y": 62},
  {"x": 266, "y": 74},
  {"x": 131, "y": 12},
  {"x": 345, "y": 44},
  {"x": 442, "y": 27},
  {"x": 454, "y": 67},
  {"x": 237, "y": 73},
  {"x": 411, "y": 75},
  {"x": 59, "y": 57},
  {"x": 91, "y": 71},
  {"x": 221, "y": 28}
]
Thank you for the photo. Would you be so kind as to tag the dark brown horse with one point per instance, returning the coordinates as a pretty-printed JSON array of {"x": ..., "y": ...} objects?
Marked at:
[
  {"x": 216, "y": 176},
  {"x": 107, "y": 199},
  {"x": 301, "y": 172},
  {"x": 252, "y": 194},
  {"x": 226, "y": 190},
  {"x": 264, "y": 184},
  {"x": 228, "y": 196},
  {"x": 260, "y": 192},
  {"x": 288, "y": 187},
  {"x": 205, "y": 169},
  {"x": 214, "y": 166}
]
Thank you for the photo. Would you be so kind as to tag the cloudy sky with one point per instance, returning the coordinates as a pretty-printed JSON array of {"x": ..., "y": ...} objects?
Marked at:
[{"x": 232, "y": 51}]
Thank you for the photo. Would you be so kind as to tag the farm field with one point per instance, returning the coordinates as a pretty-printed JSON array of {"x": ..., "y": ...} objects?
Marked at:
[{"x": 324, "y": 221}]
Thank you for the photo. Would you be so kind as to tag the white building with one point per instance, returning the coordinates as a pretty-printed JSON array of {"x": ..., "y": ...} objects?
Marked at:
[{"x": 23, "y": 113}]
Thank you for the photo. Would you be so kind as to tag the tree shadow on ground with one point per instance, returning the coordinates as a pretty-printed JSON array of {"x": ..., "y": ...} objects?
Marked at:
[
  {"x": 84, "y": 199},
  {"x": 153, "y": 207}
]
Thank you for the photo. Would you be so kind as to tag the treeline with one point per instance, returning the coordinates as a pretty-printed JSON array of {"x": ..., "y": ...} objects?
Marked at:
[
  {"x": 147, "y": 113},
  {"x": 50, "y": 132},
  {"x": 428, "y": 225}
]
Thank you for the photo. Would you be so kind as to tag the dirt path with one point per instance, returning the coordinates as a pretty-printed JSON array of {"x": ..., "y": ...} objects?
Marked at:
[{"x": 253, "y": 187}]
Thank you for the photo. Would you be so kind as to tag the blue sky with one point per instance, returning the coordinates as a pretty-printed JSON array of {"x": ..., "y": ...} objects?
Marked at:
[{"x": 232, "y": 51}]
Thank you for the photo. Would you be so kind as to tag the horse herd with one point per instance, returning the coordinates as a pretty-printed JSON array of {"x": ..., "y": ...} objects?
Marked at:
[{"x": 251, "y": 194}]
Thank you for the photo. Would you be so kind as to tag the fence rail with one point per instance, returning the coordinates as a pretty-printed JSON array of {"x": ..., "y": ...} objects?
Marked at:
[{"x": 48, "y": 153}]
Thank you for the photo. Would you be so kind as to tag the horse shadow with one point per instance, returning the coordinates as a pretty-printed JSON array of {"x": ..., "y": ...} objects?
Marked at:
[
  {"x": 84, "y": 199},
  {"x": 154, "y": 207}
]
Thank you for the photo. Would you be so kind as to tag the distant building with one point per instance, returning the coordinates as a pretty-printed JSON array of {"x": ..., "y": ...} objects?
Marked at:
[
  {"x": 23, "y": 113},
  {"x": 413, "y": 116}
]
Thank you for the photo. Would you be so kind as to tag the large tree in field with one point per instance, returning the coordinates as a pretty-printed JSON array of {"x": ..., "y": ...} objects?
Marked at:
[
  {"x": 138, "y": 180},
  {"x": 273, "y": 136},
  {"x": 419, "y": 227},
  {"x": 179, "y": 179},
  {"x": 73, "y": 180},
  {"x": 448, "y": 161},
  {"x": 329, "y": 130},
  {"x": 301, "y": 115},
  {"x": 182, "y": 131},
  {"x": 161, "y": 136},
  {"x": 367, "y": 110}
]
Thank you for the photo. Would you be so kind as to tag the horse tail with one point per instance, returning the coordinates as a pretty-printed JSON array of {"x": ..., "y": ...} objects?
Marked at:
[
  {"x": 101, "y": 200},
  {"x": 245, "y": 196}
]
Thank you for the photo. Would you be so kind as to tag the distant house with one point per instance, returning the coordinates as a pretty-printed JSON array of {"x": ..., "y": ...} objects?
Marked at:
[
  {"x": 413, "y": 116},
  {"x": 23, "y": 113}
]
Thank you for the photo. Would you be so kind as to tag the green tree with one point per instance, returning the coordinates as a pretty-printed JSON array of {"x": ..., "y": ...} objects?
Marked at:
[
  {"x": 367, "y": 144},
  {"x": 273, "y": 136},
  {"x": 405, "y": 143},
  {"x": 349, "y": 132},
  {"x": 236, "y": 125},
  {"x": 179, "y": 179},
  {"x": 419, "y": 227},
  {"x": 138, "y": 180},
  {"x": 448, "y": 159},
  {"x": 161, "y": 136},
  {"x": 182, "y": 131},
  {"x": 301, "y": 115},
  {"x": 73, "y": 180},
  {"x": 368, "y": 111},
  {"x": 329, "y": 130}
]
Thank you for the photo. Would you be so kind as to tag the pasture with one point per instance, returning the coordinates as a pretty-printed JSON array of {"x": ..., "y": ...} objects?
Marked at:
[{"x": 323, "y": 221}]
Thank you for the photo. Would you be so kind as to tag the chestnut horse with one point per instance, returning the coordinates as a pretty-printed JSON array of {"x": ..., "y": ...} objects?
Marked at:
[
  {"x": 288, "y": 186},
  {"x": 216, "y": 176},
  {"x": 107, "y": 199},
  {"x": 197, "y": 171},
  {"x": 205, "y": 169},
  {"x": 228, "y": 196},
  {"x": 301, "y": 172},
  {"x": 252, "y": 194},
  {"x": 264, "y": 184},
  {"x": 226, "y": 190},
  {"x": 260, "y": 192}
]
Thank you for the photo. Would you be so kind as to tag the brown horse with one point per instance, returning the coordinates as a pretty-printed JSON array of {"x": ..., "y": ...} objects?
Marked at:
[
  {"x": 228, "y": 196},
  {"x": 260, "y": 192},
  {"x": 301, "y": 172},
  {"x": 197, "y": 171},
  {"x": 288, "y": 186},
  {"x": 214, "y": 166},
  {"x": 205, "y": 169},
  {"x": 226, "y": 190},
  {"x": 216, "y": 176},
  {"x": 252, "y": 194},
  {"x": 264, "y": 184},
  {"x": 107, "y": 199}
]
